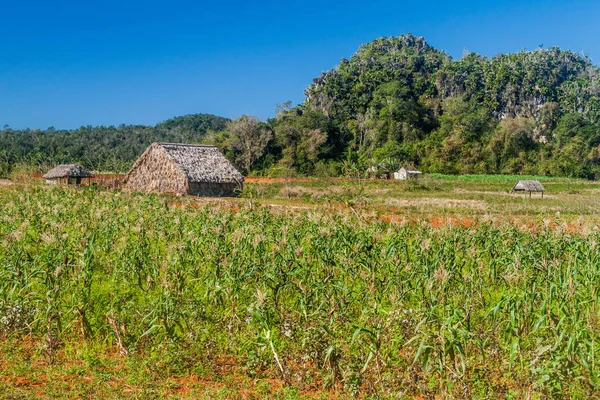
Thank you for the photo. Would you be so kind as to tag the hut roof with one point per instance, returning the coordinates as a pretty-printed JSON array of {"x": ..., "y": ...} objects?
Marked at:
[
  {"x": 67, "y": 171},
  {"x": 412, "y": 169},
  {"x": 529, "y": 186},
  {"x": 201, "y": 163}
]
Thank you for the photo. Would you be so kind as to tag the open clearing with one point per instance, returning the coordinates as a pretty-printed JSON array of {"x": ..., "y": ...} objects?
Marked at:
[
  {"x": 567, "y": 204},
  {"x": 307, "y": 288}
]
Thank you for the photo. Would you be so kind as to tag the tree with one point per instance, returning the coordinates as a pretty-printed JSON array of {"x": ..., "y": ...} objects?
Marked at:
[
  {"x": 512, "y": 137},
  {"x": 301, "y": 146},
  {"x": 303, "y": 136},
  {"x": 245, "y": 140},
  {"x": 575, "y": 125}
]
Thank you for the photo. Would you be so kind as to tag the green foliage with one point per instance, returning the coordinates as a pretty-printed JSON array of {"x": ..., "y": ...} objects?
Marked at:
[
  {"x": 101, "y": 148},
  {"x": 303, "y": 138},
  {"x": 513, "y": 113},
  {"x": 575, "y": 125},
  {"x": 197, "y": 124},
  {"x": 531, "y": 112},
  {"x": 309, "y": 297},
  {"x": 245, "y": 141}
]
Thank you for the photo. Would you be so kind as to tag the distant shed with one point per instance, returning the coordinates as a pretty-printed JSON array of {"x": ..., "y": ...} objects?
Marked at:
[
  {"x": 69, "y": 174},
  {"x": 529, "y": 186},
  {"x": 197, "y": 170},
  {"x": 407, "y": 173}
]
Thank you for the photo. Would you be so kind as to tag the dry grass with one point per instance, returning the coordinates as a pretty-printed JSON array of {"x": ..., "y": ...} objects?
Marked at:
[{"x": 433, "y": 203}]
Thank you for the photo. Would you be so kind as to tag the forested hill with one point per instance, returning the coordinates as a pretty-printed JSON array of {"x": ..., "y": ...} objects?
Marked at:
[
  {"x": 99, "y": 148},
  {"x": 398, "y": 99},
  {"x": 508, "y": 85}
]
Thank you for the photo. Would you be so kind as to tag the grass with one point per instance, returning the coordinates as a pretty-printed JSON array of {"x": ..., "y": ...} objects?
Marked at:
[
  {"x": 107, "y": 294},
  {"x": 507, "y": 179},
  {"x": 433, "y": 195}
]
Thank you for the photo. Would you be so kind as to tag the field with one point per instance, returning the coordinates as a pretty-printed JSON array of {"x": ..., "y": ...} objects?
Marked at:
[{"x": 302, "y": 288}]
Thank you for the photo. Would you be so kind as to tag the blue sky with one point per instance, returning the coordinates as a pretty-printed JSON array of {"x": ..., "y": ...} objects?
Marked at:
[{"x": 73, "y": 63}]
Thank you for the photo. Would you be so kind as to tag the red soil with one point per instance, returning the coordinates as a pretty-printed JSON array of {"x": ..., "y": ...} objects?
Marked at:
[{"x": 267, "y": 180}]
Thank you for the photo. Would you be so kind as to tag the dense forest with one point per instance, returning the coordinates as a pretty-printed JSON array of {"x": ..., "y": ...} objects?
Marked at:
[
  {"x": 400, "y": 100},
  {"x": 111, "y": 149},
  {"x": 396, "y": 101}
]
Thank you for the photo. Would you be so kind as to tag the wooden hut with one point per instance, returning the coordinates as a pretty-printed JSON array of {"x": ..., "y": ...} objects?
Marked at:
[
  {"x": 529, "y": 186},
  {"x": 407, "y": 173},
  {"x": 197, "y": 170},
  {"x": 68, "y": 174}
]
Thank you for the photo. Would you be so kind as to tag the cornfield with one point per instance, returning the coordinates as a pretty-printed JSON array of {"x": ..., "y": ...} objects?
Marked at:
[{"x": 314, "y": 298}]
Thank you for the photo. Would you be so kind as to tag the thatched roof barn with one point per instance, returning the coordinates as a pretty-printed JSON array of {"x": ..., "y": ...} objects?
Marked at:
[
  {"x": 407, "y": 173},
  {"x": 529, "y": 186},
  {"x": 197, "y": 170},
  {"x": 67, "y": 174}
]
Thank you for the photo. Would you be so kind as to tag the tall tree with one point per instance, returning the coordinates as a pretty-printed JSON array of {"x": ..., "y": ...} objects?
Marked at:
[{"x": 244, "y": 140}]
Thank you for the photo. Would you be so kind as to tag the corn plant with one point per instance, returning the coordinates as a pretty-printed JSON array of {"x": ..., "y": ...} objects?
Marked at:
[{"x": 313, "y": 297}]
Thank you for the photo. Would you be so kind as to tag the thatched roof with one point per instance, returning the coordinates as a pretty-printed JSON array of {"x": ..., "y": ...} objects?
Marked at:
[
  {"x": 202, "y": 163},
  {"x": 199, "y": 163},
  {"x": 529, "y": 186},
  {"x": 67, "y": 171}
]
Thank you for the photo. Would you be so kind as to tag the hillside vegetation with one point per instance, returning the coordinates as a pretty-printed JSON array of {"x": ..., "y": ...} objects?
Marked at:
[
  {"x": 396, "y": 101},
  {"x": 400, "y": 99},
  {"x": 98, "y": 148}
]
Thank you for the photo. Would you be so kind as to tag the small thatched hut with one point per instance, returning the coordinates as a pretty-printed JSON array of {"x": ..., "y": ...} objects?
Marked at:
[
  {"x": 69, "y": 174},
  {"x": 197, "y": 170},
  {"x": 529, "y": 186},
  {"x": 407, "y": 173}
]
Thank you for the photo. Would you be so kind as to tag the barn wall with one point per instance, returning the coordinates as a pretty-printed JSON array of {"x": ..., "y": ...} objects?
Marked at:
[
  {"x": 155, "y": 172},
  {"x": 400, "y": 174},
  {"x": 214, "y": 189}
]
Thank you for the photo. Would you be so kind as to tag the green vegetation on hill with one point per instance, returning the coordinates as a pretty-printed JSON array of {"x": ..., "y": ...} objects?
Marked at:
[
  {"x": 400, "y": 101},
  {"x": 98, "y": 148},
  {"x": 396, "y": 101},
  {"x": 398, "y": 98}
]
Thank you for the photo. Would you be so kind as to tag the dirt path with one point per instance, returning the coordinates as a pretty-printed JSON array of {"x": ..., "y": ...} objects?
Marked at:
[{"x": 268, "y": 181}]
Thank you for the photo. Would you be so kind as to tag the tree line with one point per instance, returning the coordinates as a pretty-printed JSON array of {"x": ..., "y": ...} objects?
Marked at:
[
  {"x": 396, "y": 101},
  {"x": 400, "y": 101},
  {"x": 106, "y": 149}
]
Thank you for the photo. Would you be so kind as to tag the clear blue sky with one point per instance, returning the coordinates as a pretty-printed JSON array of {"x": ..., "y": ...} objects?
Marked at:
[{"x": 73, "y": 63}]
